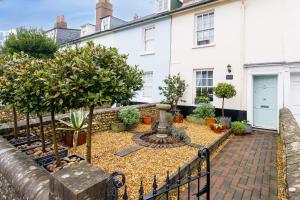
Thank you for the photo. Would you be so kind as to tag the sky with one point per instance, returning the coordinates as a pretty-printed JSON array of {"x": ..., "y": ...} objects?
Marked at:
[{"x": 42, "y": 13}]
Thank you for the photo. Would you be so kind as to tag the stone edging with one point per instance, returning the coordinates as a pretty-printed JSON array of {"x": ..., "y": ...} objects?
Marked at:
[
  {"x": 290, "y": 131},
  {"x": 194, "y": 162},
  {"x": 29, "y": 180}
]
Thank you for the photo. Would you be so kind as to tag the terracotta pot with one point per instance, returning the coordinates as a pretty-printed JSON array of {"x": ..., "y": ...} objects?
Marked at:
[
  {"x": 217, "y": 130},
  {"x": 178, "y": 118},
  {"x": 210, "y": 121},
  {"x": 147, "y": 120},
  {"x": 80, "y": 140}
]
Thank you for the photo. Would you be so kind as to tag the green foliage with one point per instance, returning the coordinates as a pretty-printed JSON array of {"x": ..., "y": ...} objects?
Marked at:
[
  {"x": 77, "y": 121},
  {"x": 178, "y": 133},
  {"x": 225, "y": 90},
  {"x": 238, "y": 128},
  {"x": 204, "y": 111},
  {"x": 76, "y": 124},
  {"x": 173, "y": 90},
  {"x": 129, "y": 115},
  {"x": 33, "y": 42}
]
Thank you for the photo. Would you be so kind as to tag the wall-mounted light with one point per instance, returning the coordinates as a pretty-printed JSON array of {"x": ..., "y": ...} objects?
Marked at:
[{"x": 229, "y": 69}]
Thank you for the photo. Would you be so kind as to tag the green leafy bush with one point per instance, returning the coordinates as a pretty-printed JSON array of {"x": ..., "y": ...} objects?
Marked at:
[
  {"x": 130, "y": 116},
  {"x": 238, "y": 128},
  {"x": 204, "y": 111}
]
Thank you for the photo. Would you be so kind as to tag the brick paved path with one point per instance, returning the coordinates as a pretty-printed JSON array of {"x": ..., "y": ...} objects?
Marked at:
[{"x": 245, "y": 168}]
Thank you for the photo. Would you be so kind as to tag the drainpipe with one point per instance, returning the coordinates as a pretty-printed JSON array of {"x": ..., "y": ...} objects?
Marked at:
[{"x": 243, "y": 52}]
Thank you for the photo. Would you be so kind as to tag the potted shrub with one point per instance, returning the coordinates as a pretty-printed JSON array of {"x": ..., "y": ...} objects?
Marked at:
[
  {"x": 147, "y": 119},
  {"x": 238, "y": 128},
  {"x": 225, "y": 91},
  {"x": 218, "y": 127},
  {"x": 206, "y": 111},
  {"x": 130, "y": 116},
  {"x": 173, "y": 91},
  {"x": 75, "y": 134}
]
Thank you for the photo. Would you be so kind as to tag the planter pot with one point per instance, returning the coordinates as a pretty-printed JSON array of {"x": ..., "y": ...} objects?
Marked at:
[
  {"x": 217, "y": 130},
  {"x": 226, "y": 121},
  {"x": 118, "y": 127},
  {"x": 66, "y": 163},
  {"x": 178, "y": 118},
  {"x": 51, "y": 157},
  {"x": 249, "y": 129},
  {"x": 69, "y": 139},
  {"x": 23, "y": 140},
  {"x": 24, "y": 147},
  {"x": 210, "y": 121},
  {"x": 147, "y": 120}
]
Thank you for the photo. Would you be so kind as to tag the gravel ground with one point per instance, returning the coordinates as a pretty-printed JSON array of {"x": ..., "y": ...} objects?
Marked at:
[{"x": 146, "y": 162}]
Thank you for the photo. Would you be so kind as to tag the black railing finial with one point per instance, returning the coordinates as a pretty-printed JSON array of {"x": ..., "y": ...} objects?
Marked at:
[
  {"x": 154, "y": 185},
  {"x": 141, "y": 191}
]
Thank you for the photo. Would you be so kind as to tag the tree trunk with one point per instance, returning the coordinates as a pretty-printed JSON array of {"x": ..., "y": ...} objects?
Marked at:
[
  {"x": 42, "y": 133},
  {"x": 16, "y": 131},
  {"x": 57, "y": 156},
  {"x": 89, "y": 136},
  {"x": 28, "y": 129},
  {"x": 223, "y": 115}
]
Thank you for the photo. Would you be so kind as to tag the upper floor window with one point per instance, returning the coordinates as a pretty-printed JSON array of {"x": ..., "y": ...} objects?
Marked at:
[
  {"x": 148, "y": 84},
  {"x": 105, "y": 24},
  {"x": 162, "y": 5},
  {"x": 205, "y": 28},
  {"x": 149, "y": 39}
]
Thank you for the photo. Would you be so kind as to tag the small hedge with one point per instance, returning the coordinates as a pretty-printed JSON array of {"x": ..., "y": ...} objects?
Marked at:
[{"x": 238, "y": 128}]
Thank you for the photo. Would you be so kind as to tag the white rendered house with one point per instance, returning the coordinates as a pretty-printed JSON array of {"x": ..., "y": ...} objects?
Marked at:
[{"x": 252, "y": 44}]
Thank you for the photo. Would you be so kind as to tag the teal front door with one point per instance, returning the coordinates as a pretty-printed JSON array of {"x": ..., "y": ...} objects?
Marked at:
[{"x": 265, "y": 102}]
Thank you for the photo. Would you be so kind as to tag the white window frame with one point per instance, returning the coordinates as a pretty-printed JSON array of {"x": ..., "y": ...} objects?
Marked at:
[
  {"x": 105, "y": 24},
  {"x": 147, "y": 40},
  {"x": 163, "y": 8},
  {"x": 203, "y": 29},
  {"x": 148, "y": 84},
  {"x": 203, "y": 86}
]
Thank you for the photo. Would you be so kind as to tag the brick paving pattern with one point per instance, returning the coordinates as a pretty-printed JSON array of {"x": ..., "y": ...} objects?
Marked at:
[{"x": 245, "y": 169}]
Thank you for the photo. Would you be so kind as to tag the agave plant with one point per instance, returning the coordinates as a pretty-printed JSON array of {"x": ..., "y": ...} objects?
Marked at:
[{"x": 76, "y": 124}]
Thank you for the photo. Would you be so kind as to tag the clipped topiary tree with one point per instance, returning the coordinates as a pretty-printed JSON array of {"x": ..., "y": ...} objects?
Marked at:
[
  {"x": 8, "y": 86},
  {"x": 224, "y": 90},
  {"x": 173, "y": 90},
  {"x": 95, "y": 76}
]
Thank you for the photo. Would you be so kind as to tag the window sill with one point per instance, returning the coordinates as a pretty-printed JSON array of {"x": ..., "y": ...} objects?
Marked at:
[
  {"x": 147, "y": 53},
  {"x": 204, "y": 46}
]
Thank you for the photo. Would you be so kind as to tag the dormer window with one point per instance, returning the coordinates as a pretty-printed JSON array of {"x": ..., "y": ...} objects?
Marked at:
[
  {"x": 105, "y": 24},
  {"x": 162, "y": 5}
]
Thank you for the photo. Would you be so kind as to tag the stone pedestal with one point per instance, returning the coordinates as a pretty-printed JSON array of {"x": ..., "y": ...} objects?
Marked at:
[{"x": 80, "y": 182}]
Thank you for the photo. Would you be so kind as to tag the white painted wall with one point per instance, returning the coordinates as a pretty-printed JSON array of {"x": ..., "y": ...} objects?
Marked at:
[
  {"x": 87, "y": 29},
  {"x": 130, "y": 41},
  {"x": 227, "y": 49}
]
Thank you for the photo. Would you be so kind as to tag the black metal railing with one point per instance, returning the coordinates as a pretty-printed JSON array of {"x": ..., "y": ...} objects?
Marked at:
[{"x": 119, "y": 181}]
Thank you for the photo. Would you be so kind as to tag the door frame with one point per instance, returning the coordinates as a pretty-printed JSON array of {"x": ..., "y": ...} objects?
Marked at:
[{"x": 250, "y": 93}]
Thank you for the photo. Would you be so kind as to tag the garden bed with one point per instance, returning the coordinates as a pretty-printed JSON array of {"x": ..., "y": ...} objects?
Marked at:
[{"x": 146, "y": 162}]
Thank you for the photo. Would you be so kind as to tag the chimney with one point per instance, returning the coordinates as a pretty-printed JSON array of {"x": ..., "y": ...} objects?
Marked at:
[
  {"x": 60, "y": 22},
  {"x": 103, "y": 9},
  {"x": 186, "y": 1},
  {"x": 136, "y": 17}
]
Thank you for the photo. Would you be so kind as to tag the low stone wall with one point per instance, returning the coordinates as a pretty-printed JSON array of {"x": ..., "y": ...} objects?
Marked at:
[
  {"x": 22, "y": 177},
  {"x": 290, "y": 131},
  {"x": 7, "y": 191},
  {"x": 103, "y": 118}
]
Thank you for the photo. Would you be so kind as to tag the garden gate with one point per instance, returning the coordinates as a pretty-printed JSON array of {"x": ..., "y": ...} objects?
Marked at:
[{"x": 119, "y": 181}]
